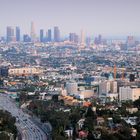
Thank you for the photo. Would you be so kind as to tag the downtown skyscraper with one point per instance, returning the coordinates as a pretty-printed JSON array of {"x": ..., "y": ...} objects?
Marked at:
[
  {"x": 56, "y": 34},
  {"x": 49, "y": 35},
  {"x": 9, "y": 34},
  {"x": 17, "y": 34},
  {"x": 32, "y": 34},
  {"x": 82, "y": 45},
  {"x": 73, "y": 37},
  {"x": 41, "y": 35}
]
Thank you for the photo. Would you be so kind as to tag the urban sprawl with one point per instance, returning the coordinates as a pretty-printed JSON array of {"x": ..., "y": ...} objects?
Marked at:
[{"x": 72, "y": 88}]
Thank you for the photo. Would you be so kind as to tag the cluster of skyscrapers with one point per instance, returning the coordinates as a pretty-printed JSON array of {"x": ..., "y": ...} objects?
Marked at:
[
  {"x": 14, "y": 34},
  {"x": 47, "y": 37}
]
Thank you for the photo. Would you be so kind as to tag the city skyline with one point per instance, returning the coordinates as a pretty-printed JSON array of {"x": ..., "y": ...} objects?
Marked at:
[{"x": 93, "y": 16}]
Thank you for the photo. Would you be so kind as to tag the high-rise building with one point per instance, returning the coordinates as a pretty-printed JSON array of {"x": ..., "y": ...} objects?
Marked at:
[
  {"x": 88, "y": 42},
  {"x": 26, "y": 38},
  {"x": 41, "y": 35},
  {"x": 130, "y": 41},
  {"x": 17, "y": 34},
  {"x": 73, "y": 37},
  {"x": 49, "y": 35},
  {"x": 98, "y": 40},
  {"x": 82, "y": 45},
  {"x": 56, "y": 34},
  {"x": 82, "y": 37},
  {"x": 10, "y": 34},
  {"x": 76, "y": 39},
  {"x": 33, "y": 35}
]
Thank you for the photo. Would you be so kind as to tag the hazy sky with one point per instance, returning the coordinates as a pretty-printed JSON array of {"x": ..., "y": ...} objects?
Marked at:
[{"x": 107, "y": 17}]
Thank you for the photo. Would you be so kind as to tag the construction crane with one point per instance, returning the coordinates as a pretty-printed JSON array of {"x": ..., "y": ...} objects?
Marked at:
[
  {"x": 115, "y": 72},
  {"x": 123, "y": 74}
]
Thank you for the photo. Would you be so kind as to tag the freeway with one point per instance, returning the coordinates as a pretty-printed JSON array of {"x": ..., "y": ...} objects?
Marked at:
[{"x": 28, "y": 129}]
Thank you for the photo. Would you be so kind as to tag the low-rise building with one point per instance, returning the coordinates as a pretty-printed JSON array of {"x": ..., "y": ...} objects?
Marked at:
[
  {"x": 129, "y": 93},
  {"x": 25, "y": 71},
  {"x": 87, "y": 93},
  {"x": 108, "y": 86}
]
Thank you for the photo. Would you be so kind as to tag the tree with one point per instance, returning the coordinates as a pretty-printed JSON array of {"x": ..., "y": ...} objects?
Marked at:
[
  {"x": 90, "y": 113},
  {"x": 128, "y": 103},
  {"x": 7, "y": 124},
  {"x": 55, "y": 98},
  {"x": 88, "y": 124},
  {"x": 90, "y": 136},
  {"x": 59, "y": 137},
  {"x": 137, "y": 103},
  {"x": 108, "y": 136},
  {"x": 116, "y": 119},
  {"x": 124, "y": 133},
  {"x": 4, "y": 136}
]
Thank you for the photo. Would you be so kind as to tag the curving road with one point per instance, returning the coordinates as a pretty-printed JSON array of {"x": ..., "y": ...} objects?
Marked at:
[{"x": 27, "y": 129}]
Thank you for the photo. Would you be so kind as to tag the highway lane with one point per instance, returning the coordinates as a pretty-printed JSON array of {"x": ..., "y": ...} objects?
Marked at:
[{"x": 28, "y": 130}]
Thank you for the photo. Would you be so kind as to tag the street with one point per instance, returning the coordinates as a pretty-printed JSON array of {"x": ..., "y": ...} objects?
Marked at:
[{"x": 27, "y": 129}]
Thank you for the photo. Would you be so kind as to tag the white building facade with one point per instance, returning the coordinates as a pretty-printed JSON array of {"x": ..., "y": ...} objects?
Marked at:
[{"x": 129, "y": 93}]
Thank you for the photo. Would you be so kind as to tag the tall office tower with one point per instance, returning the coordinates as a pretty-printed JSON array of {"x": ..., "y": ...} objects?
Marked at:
[
  {"x": 82, "y": 43},
  {"x": 96, "y": 41},
  {"x": 82, "y": 37},
  {"x": 88, "y": 42},
  {"x": 10, "y": 34},
  {"x": 56, "y": 34},
  {"x": 17, "y": 34},
  {"x": 46, "y": 37},
  {"x": 76, "y": 38},
  {"x": 49, "y": 35},
  {"x": 41, "y": 35},
  {"x": 130, "y": 41},
  {"x": 33, "y": 35},
  {"x": 100, "y": 39},
  {"x": 73, "y": 38}
]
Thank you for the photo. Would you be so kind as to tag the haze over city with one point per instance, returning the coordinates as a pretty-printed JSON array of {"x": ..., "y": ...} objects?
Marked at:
[
  {"x": 106, "y": 17},
  {"x": 69, "y": 70}
]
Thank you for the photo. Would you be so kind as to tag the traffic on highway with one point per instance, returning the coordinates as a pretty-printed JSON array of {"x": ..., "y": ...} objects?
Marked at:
[{"x": 28, "y": 129}]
